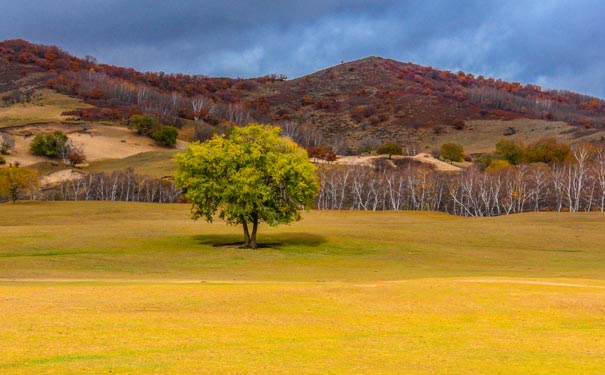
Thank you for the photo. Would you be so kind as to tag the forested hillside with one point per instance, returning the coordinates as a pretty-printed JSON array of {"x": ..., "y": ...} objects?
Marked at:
[{"x": 369, "y": 100}]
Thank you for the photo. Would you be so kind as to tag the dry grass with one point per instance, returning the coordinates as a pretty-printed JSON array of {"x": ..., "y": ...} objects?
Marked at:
[
  {"x": 143, "y": 290},
  {"x": 482, "y": 135},
  {"x": 158, "y": 163},
  {"x": 47, "y": 107},
  {"x": 107, "y": 149}
]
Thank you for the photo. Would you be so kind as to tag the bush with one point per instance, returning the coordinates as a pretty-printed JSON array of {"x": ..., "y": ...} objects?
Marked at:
[
  {"x": 498, "y": 165},
  {"x": 75, "y": 154},
  {"x": 144, "y": 124},
  {"x": 547, "y": 151},
  {"x": 48, "y": 144},
  {"x": 390, "y": 149},
  {"x": 166, "y": 135},
  {"x": 2, "y": 160},
  {"x": 452, "y": 152},
  {"x": 510, "y": 151},
  {"x": 485, "y": 160}
]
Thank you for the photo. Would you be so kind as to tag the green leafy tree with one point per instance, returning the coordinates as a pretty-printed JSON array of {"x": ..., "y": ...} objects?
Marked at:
[
  {"x": 390, "y": 149},
  {"x": 48, "y": 144},
  {"x": 254, "y": 175},
  {"x": 15, "y": 181},
  {"x": 509, "y": 150},
  {"x": 166, "y": 135},
  {"x": 452, "y": 152}
]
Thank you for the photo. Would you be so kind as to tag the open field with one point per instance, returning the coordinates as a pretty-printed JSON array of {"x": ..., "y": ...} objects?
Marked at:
[
  {"x": 158, "y": 163},
  {"x": 89, "y": 287}
]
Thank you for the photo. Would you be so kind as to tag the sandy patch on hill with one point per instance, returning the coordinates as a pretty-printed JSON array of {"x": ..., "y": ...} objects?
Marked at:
[
  {"x": 99, "y": 141},
  {"x": 64, "y": 175},
  {"x": 422, "y": 157}
]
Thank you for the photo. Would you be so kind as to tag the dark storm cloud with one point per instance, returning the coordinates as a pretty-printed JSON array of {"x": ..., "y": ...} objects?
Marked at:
[{"x": 557, "y": 44}]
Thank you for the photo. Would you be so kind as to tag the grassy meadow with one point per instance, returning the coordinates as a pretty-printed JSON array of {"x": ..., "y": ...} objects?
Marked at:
[
  {"x": 155, "y": 164},
  {"x": 47, "y": 106},
  {"x": 90, "y": 287}
]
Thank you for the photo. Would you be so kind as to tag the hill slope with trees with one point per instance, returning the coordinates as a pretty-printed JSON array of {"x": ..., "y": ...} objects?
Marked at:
[{"x": 350, "y": 107}]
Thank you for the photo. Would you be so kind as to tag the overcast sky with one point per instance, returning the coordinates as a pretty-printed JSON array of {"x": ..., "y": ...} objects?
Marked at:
[{"x": 554, "y": 43}]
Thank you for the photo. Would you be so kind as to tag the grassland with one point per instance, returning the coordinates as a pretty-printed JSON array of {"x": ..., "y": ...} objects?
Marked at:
[
  {"x": 151, "y": 163},
  {"x": 46, "y": 107},
  {"x": 482, "y": 135},
  {"x": 139, "y": 288}
]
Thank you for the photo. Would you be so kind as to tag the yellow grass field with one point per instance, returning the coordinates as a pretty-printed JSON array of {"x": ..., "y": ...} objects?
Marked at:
[
  {"x": 47, "y": 107},
  {"x": 98, "y": 288}
]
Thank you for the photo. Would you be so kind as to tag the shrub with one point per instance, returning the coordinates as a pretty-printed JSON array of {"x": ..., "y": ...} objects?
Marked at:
[
  {"x": 497, "y": 165},
  {"x": 485, "y": 160},
  {"x": 75, "y": 154},
  {"x": 2, "y": 160},
  {"x": 48, "y": 144},
  {"x": 452, "y": 152},
  {"x": 144, "y": 124},
  {"x": 166, "y": 135},
  {"x": 390, "y": 149},
  {"x": 547, "y": 151},
  {"x": 510, "y": 151}
]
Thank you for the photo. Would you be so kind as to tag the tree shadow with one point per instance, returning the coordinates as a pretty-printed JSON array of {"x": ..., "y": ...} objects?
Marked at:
[{"x": 274, "y": 241}]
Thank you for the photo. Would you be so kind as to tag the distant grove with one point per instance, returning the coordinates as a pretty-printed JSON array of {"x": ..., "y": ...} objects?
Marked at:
[{"x": 576, "y": 184}]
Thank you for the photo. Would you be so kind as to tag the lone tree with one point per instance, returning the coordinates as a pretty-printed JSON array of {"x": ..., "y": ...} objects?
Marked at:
[{"x": 254, "y": 175}]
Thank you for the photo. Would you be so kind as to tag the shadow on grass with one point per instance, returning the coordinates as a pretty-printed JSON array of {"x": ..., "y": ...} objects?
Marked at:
[{"x": 264, "y": 241}]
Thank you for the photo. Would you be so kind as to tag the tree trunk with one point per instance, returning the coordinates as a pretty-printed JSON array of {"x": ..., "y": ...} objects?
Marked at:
[
  {"x": 246, "y": 236},
  {"x": 253, "y": 236}
]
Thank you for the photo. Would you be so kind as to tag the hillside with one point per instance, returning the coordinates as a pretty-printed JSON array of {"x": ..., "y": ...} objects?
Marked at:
[{"x": 355, "y": 105}]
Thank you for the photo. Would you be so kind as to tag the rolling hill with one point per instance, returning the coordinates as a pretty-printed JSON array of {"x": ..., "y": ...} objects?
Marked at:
[{"x": 354, "y": 105}]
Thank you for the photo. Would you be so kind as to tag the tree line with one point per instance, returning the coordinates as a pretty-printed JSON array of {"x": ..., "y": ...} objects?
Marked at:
[
  {"x": 116, "y": 186},
  {"x": 575, "y": 185}
]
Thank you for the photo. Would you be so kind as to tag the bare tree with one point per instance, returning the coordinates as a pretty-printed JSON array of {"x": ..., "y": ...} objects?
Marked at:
[
  {"x": 7, "y": 143},
  {"x": 201, "y": 107},
  {"x": 142, "y": 94}
]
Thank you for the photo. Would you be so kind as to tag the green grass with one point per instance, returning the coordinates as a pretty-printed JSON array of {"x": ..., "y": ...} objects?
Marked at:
[
  {"x": 47, "y": 107},
  {"x": 91, "y": 287},
  {"x": 153, "y": 163}
]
